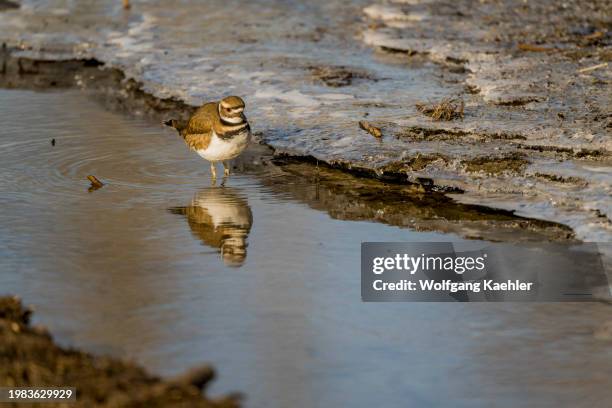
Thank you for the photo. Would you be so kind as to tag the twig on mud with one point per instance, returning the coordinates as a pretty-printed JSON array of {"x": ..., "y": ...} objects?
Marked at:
[
  {"x": 333, "y": 76},
  {"x": 448, "y": 109},
  {"x": 95, "y": 183},
  {"x": 534, "y": 48},
  {"x": 596, "y": 35},
  {"x": 593, "y": 68},
  {"x": 373, "y": 130},
  {"x": 594, "y": 38}
]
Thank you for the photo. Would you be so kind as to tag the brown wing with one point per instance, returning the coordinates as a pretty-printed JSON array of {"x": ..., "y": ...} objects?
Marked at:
[{"x": 198, "y": 132}]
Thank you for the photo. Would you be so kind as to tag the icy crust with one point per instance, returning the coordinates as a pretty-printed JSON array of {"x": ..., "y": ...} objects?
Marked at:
[
  {"x": 530, "y": 118},
  {"x": 498, "y": 46},
  {"x": 526, "y": 65}
]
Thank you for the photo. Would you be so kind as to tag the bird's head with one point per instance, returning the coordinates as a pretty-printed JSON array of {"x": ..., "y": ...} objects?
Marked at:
[{"x": 231, "y": 109}]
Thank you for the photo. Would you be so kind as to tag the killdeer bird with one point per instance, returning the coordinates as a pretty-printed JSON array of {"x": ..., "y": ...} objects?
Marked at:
[
  {"x": 222, "y": 219},
  {"x": 217, "y": 131}
]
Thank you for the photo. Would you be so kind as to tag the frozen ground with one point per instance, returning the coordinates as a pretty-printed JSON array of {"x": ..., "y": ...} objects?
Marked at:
[{"x": 536, "y": 133}]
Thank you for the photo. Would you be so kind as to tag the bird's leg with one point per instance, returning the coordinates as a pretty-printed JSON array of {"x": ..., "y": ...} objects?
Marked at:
[
  {"x": 226, "y": 168},
  {"x": 213, "y": 171}
]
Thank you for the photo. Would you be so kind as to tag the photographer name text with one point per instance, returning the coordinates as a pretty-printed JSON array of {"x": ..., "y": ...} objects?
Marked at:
[{"x": 451, "y": 286}]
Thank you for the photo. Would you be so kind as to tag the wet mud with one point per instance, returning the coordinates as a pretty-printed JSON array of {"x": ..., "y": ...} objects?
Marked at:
[
  {"x": 29, "y": 357},
  {"x": 347, "y": 197},
  {"x": 8, "y": 5},
  {"x": 496, "y": 165}
]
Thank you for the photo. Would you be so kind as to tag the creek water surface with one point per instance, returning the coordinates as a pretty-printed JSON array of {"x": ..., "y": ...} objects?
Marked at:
[{"x": 163, "y": 268}]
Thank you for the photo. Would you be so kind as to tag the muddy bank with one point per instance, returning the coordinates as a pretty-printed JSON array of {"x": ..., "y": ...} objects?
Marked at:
[
  {"x": 30, "y": 358},
  {"x": 347, "y": 193},
  {"x": 107, "y": 85},
  {"x": 345, "y": 196},
  {"x": 7, "y": 5}
]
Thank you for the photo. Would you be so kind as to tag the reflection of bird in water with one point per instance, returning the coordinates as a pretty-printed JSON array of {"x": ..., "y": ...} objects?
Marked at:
[{"x": 222, "y": 219}]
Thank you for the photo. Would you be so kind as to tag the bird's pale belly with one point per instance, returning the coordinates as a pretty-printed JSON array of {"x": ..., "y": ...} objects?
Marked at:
[{"x": 220, "y": 149}]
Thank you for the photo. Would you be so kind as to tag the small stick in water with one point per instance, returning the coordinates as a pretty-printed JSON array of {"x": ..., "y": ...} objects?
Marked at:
[
  {"x": 373, "y": 130},
  {"x": 95, "y": 183}
]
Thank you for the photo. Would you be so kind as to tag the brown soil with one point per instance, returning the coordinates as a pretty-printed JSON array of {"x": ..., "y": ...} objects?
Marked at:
[
  {"x": 416, "y": 163},
  {"x": 560, "y": 179},
  {"x": 7, "y": 4},
  {"x": 492, "y": 165},
  {"x": 448, "y": 109},
  {"x": 30, "y": 358},
  {"x": 336, "y": 77},
  {"x": 420, "y": 133}
]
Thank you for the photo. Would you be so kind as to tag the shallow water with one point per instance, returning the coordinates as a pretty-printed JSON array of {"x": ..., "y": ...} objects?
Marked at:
[{"x": 160, "y": 267}]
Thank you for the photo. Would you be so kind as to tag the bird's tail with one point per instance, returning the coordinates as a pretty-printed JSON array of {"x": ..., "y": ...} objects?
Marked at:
[
  {"x": 179, "y": 125},
  {"x": 173, "y": 123}
]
